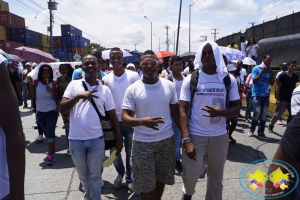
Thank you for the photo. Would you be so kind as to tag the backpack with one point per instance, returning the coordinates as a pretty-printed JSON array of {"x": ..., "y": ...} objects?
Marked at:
[
  {"x": 194, "y": 83},
  {"x": 170, "y": 77}
]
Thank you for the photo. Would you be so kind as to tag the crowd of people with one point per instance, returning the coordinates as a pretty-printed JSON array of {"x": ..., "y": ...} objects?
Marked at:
[{"x": 169, "y": 115}]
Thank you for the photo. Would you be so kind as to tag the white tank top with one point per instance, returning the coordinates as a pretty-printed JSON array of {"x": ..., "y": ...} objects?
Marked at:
[{"x": 4, "y": 179}]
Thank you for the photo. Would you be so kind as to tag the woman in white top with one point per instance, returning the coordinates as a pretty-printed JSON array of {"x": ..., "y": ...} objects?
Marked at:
[
  {"x": 252, "y": 48},
  {"x": 46, "y": 106},
  {"x": 248, "y": 92}
]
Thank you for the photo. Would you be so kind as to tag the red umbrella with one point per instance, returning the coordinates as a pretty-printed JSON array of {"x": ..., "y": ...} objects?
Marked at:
[
  {"x": 33, "y": 55},
  {"x": 162, "y": 54}
]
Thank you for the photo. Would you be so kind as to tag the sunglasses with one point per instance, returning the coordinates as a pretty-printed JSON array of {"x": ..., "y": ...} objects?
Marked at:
[{"x": 146, "y": 63}]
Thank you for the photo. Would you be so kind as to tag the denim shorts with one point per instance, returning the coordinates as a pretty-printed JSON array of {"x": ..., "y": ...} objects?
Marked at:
[{"x": 48, "y": 121}]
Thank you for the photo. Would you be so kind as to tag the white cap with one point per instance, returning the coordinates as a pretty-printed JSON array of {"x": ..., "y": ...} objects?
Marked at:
[
  {"x": 130, "y": 65},
  {"x": 34, "y": 65},
  {"x": 231, "y": 67}
]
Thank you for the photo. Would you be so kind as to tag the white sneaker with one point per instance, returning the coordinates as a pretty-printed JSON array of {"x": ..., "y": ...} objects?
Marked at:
[
  {"x": 39, "y": 138},
  {"x": 118, "y": 181},
  {"x": 86, "y": 196}
]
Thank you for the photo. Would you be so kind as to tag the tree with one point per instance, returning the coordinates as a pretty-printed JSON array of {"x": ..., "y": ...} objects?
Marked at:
[{"x": 94, "y": 45}]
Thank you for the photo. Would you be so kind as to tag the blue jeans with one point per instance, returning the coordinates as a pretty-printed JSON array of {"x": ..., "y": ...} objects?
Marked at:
[
  {"x": 88, "y": 156},
  {"x": 260, "y": 112},
  {"x": 178, "y": 138},
  {"x": 48, "y": 121},
  {"x": 24, "y": 90},
  {"x": 126, "y": 135},
  {"x": 249, "y": 105}
]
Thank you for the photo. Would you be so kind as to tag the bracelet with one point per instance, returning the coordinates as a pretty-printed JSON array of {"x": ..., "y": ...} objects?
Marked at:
[
  {"x": 187, "y": 141},
  {"x": 75, "y": 100},
  {"x": 184, "y": 139}
]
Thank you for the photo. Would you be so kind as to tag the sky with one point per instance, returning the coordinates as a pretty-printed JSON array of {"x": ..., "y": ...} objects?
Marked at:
[{"x": 122, "y": 23}]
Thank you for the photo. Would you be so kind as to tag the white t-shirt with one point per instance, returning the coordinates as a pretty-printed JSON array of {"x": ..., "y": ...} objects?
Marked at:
[
  {"x": 243, "y": 47},
  {"x": 151, "y": 101},
  {"x": 24, "y": 72},
  {"x": 243, "y": 73},
  {"x": 210, "y": 91},
  {"x": 295, "y": 102},
  {"x": 249, "y": 82},
  {"x": 140, "y": 72},
  {"x": 118, "y": 86},
  {"x": 178, "y": 85},
  {"x": 44, "y": 99},
  {"x": 165, "y": 73},
  {"x": 277, "y": 75},
  {"x": 84, "y": 120},
  {"x": 4, "y": 178},
  {"x": 186, "y": 71},
  {"x": 252, "y": 52}
]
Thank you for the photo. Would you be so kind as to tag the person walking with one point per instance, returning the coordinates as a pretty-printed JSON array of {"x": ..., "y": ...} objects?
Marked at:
[
  {"x": 63, "y": 81},
  {"x": 205, "y": 139},
  {"x": 153, "y": 147},
  {"x": 25, "y": 72},
  {"x": 118, "y": 81},
  {"x": 252, "y": 48},
  {"x": 285, "y": 86},
  {"x": 86, "y": 139},
  {"x": 177, "y": 78},
  {"x": 262, "y": 76},
  {"x": 248, "y": 92},
  {"x": 44, "y": 89}
]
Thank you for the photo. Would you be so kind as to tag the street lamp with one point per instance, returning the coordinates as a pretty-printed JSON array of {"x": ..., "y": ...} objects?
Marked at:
[
  {"x": 151, "y": 29},
  {"x": 190, "y": 26},
  {"x": 158, "y": 42}
]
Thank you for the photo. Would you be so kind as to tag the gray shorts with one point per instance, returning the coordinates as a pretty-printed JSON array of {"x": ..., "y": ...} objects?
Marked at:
[{"x": 151, "y": 162}]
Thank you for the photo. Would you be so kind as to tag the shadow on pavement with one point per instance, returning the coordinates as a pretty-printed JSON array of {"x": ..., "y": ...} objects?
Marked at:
[
  {"x": 61, "y": 161},
  {"x": 121, "y": 193},
  {"x": 42, "y": 147},
  {"x": 27, "y": 113},
  {"x": 243, "y": 153}
]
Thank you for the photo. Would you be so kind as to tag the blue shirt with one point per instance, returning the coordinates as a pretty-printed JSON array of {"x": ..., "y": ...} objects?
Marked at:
[{"x": 260, "y": 89}]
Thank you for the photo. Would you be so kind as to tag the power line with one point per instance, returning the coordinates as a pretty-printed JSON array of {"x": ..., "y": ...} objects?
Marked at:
[
  {"x": 31, "y": 9},
  {"x": 247, "y": 17},
  {"x": 163, "y": 14}
]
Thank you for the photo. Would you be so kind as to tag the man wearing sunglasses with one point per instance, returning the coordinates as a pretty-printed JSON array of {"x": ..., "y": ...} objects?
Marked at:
[
  {"x": 153, "y": 156},
  {"x": 118, "y": 81}
]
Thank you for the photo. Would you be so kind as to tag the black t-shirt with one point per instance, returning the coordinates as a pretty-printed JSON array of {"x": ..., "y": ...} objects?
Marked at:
[
  {"x": 290, "y": 140},
  {"x": 288, "y": 85},
  {"x": 13, "y": 75}
]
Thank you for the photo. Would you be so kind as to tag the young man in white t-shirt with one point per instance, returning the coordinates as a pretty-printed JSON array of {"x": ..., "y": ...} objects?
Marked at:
[
  {"x": 177, "y": 78},
  {"x": 12, "y": 143},
  {"x": 166, "y": 66},
  {"x": 153, "y": 156},
  {"x": 204, "y": 134},
  {"x": 86, "y": 139},
  {"x": 118, "y": 81}
]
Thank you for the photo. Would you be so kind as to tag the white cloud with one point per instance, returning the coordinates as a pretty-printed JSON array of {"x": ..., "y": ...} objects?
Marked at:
[{"x": 279, "y": 8}]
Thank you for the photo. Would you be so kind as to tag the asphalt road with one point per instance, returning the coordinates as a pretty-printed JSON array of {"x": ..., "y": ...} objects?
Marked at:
[{"x": 60, "y": 181}]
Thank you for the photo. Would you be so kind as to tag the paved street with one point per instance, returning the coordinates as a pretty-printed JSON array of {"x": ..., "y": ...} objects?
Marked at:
[{"x": 60, "y": 181}]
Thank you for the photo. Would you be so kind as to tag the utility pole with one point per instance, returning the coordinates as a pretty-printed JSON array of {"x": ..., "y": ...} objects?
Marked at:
[
  {"x": 190, "y": 25},
  {"x": 178, "y": 26},
  {"x": 135, "y": 47},
  {"x": 215, "y": 33},
  {"x": 167, "y": 41},
  {"x": 52, "y": 5}
]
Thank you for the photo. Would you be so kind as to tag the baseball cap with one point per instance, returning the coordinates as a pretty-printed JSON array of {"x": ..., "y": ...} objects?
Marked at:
[{"x": 285, "y": 64}]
